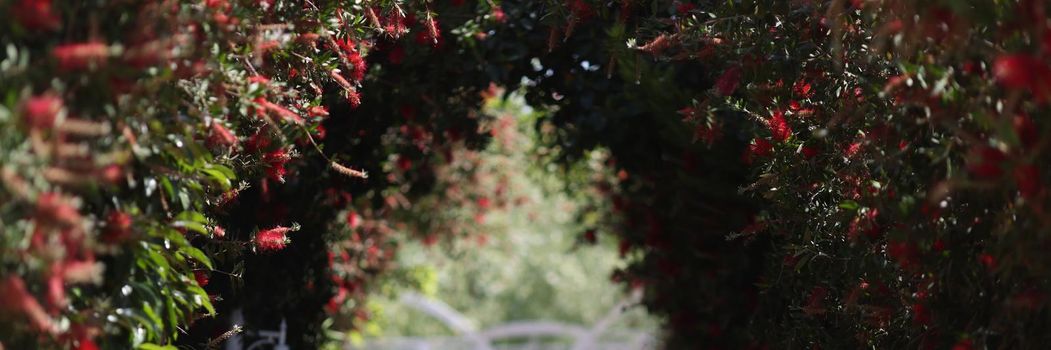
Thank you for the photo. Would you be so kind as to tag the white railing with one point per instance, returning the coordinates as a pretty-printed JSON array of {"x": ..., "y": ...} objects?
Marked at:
[{"x": 519, "y": 335}]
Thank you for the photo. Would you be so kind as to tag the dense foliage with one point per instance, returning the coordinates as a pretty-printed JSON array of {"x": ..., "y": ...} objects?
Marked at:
[
  {"x": 869, "y": 171},
  {"x": 162, "y": 161},
  {"x": 789, "y": 173}
]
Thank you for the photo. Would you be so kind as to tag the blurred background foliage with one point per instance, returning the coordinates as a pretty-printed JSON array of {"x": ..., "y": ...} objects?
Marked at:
[{"x": 534, "y": 258}]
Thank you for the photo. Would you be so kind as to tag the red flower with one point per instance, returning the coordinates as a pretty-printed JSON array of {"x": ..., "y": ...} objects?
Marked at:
[
  {"x": 201, "y": 277},
  {"x": 353, "y": 220},
  {"x": 56, "y": 290},
  {"x": 684, "y": 8},
  {"x": 404, "y": 163},
  {"x": 728, "y": 81},
  {"x": 317, "y": 111},
  {"x": 358, "y": 64},
  {"x": 42, "y": 111},
  {"x": 35, "y": 15},
  {"x": 988, "y": 260},
  {"x": 353, "y": 97},
  {"x": 15, "y": 297},
  {"x": 118, "y": 227},
  {"x": 498, "y": 15},
  {"x": 758, "y": 148},
  {"x": 809, "y": 152},
  {"x": 905, "y": 253},
  {"x": 81, "y": 55},
  {"x": 276, "y": 161},
  {"x": 258, "y": 141},
  {"x": 1017, "y": 71},
  {"x": 273, "y": 239},
  {"x": 852, "y": 149},
  {"x": 280, "y": 111},
  {"x": 220, "y": 136},
  {"x": 52, "y": 208},
  {"x": 803, "y": 89},
  {"x": 218, "y": 231},
  {"x": 779, "y": 128}
]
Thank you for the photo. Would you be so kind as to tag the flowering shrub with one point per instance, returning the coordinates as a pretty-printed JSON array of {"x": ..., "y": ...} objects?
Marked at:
[
  {"x": 152, "y": 153},
  {"x": 862, "y": 173},
  {"x": 804, "y": 173}
]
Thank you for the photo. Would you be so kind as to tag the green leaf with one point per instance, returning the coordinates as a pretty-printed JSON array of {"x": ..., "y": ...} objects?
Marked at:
[
  {"x": 219, "y": 178},
  {"x": 196, "y": 254},
  {"x": 849, "y": 205},
  {"x": 151, "y": 346}
]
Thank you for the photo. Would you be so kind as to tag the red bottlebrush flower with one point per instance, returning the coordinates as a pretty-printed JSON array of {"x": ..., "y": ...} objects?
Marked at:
[
  {"x": 201, "y": 277},
  {"x": 112, "y": 174},
  {"x": 85, "y": 343},
  {"x": 809, "y": 152},
  {"x": 728, "y": 81},
  {"x": 15, "y": 297},
  {"x": 118, "y": 227},
  {"x": 1017, "y": 71},
  {"x": 657, "y": 45},
  {"x": 758, "y": 148},
  {"x": 988, "y": 260},
  {"x": 353, "y": 97},
  {"x": 684, "y": 8},
  {"x": 258, "y": 141},
  {"x": 985, "y": 162},
  {"x": 273, "y": 239},
  {"x": 41, "y": 112},
  {"x": 36, "y": 15},
  {"x": 802, "y": 89},
  {"x": 259, "y": 79},
  {"x": 483, "y": 203},
  {"x": 218, "y": 231},
  {"x": 1026, "y": 130},
  {"x": 852, "y": 149},
  {"x": 353, "y": 220},
  {"x": 56, "y": 290},
  {"x": 336, "y": 301},
  {"x": 779, "y": 128},
  {"x": 220, "y": 136},
  {"x": 581, "y": 9},
  {"x": 317, "y": 111},
  {"x": 282, "y": 112},
  {"x": 433, "y": 31},
  {"x": 53, "y": 209},
  {"x": 358, "y": 65},
  {"x": 1027, "y": 178},
  {"x": 80, "y": 56},
  {"x": 497, "y": 14},
  {"x": 276, "y": 161},
  {"x": 905, "y": 253},
  {"x": 404, "y": 163}
]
